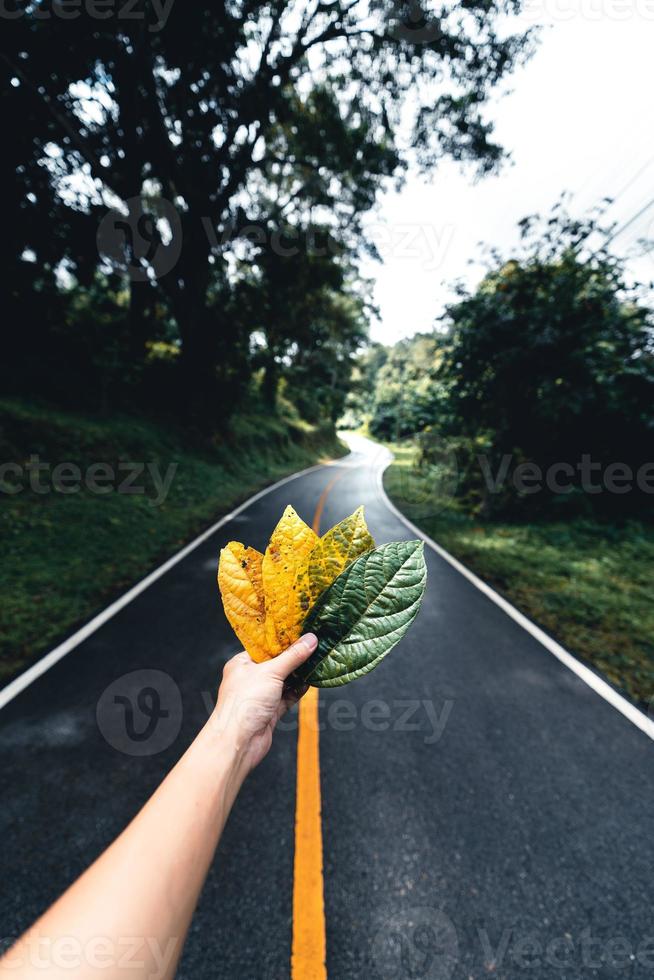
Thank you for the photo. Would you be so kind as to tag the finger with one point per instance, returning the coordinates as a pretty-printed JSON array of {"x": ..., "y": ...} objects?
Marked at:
[
  {"x": 238, "y": 658},
  {"x": 242, "y": 658},
  {"x": 290, "y": 697},
  {"x": 288, "y": 661}
]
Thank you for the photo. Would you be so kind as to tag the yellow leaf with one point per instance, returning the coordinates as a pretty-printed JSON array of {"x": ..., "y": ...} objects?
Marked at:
[
  {"x": 290, "y": 543},
  {"x": 267, "y": 597},
  {"x": 331, "y": 555},
  {"x": 241, "y": 588}
]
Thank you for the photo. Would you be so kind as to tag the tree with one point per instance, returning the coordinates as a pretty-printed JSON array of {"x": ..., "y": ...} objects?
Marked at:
[
  {"x": 212, "y": 105},
  {"x": 551, "y": 357},
  {"x": 406, "y": 394},
  {"x": 360, "y": 400},
  {"x": 306, "y": 318}
]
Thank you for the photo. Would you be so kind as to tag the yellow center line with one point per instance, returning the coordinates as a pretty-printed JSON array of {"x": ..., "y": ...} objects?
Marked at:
[{"x": 309, "y": 950}]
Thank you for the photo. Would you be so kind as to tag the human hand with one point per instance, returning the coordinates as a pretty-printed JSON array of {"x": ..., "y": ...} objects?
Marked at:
[{"x": 253, "y": 697}]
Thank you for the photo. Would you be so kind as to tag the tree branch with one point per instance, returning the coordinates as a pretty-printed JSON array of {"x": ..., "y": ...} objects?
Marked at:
[{"x": 64, "y": 123}]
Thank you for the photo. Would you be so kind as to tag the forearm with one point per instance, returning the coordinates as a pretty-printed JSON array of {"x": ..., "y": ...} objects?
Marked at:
[
  {"x": 134, "y": 905},
  {"x": 128, "y": 915}
]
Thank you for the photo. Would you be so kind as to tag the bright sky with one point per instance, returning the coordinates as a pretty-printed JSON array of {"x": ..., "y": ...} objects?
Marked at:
[{"x": 579, "y": 117}]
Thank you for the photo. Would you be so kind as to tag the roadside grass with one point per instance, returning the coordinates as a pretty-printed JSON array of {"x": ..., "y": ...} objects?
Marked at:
[
  {"x": 589, "y": 584},
  {"x": 64, "y": 556}
]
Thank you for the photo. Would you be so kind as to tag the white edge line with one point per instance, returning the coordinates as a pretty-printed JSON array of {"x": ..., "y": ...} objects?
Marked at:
[
  {"x": 28, "y": 676},
  {"x": 588, "y": 676}
]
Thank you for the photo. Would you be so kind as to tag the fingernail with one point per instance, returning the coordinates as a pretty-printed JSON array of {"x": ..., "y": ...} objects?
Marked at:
[{"x": 311, "y": 640}]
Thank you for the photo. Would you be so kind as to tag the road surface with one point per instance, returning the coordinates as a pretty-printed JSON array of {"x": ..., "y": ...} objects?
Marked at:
[{"x": 484, "y": 813}]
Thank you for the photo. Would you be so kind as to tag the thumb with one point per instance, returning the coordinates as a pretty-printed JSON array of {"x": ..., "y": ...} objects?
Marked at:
[{"x": 288, "y": 661}]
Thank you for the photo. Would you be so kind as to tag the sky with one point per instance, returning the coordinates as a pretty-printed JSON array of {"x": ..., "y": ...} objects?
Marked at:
[{"x": 579, "y": 117}]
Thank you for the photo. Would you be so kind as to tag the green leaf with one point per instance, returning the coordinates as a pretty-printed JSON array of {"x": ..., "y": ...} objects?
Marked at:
[{"x": 364, "y": 613}]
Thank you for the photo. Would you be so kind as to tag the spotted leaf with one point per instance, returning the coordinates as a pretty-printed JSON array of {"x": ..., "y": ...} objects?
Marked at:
[
  {"x": 289, "y": 545},
  {"x": 327, "y": 559},
  {"x": 241, "y": 587}
]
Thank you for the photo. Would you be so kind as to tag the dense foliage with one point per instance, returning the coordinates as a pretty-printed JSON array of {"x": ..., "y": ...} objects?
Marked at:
[
  {"x": 395, "y": 388},
  {"x": 541, "y": 381},
  {"x": 174, "y": 170}
]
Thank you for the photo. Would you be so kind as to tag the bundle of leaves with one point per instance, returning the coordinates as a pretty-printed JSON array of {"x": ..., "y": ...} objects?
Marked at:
[{"x": 359, "y": 600}]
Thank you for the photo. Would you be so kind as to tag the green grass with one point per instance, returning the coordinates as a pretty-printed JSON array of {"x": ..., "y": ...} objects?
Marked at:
[
  {"x": 65, "y": 556},
  {"x": 589, "y": 584}
]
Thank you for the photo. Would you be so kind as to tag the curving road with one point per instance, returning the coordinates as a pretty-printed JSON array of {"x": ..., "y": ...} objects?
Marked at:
[{"x": 484, "y": 812}]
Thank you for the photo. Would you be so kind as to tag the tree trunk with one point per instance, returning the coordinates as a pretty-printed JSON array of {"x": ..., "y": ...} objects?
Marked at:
[
  {"x": 270, "y": 380},
  {"x": 186, "y": 287},
  {"x": 197, "y": 367},
  {"x": 138, "y": 320}
]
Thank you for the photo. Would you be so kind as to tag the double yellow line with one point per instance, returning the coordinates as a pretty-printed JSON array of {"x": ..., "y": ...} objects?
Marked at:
[{"x": 309, "y": 949}]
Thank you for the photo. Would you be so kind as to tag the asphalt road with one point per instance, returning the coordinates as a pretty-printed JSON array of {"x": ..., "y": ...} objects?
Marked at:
[{"x": 484, "y": 812}]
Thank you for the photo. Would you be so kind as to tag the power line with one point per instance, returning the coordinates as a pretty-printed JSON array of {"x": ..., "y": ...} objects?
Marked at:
[
  {"x": 609, "y": 178},
  {"x": 611, "y": 202},
  {"x": 633, "y": 180},
  {"x": 628, "y": 224}
]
